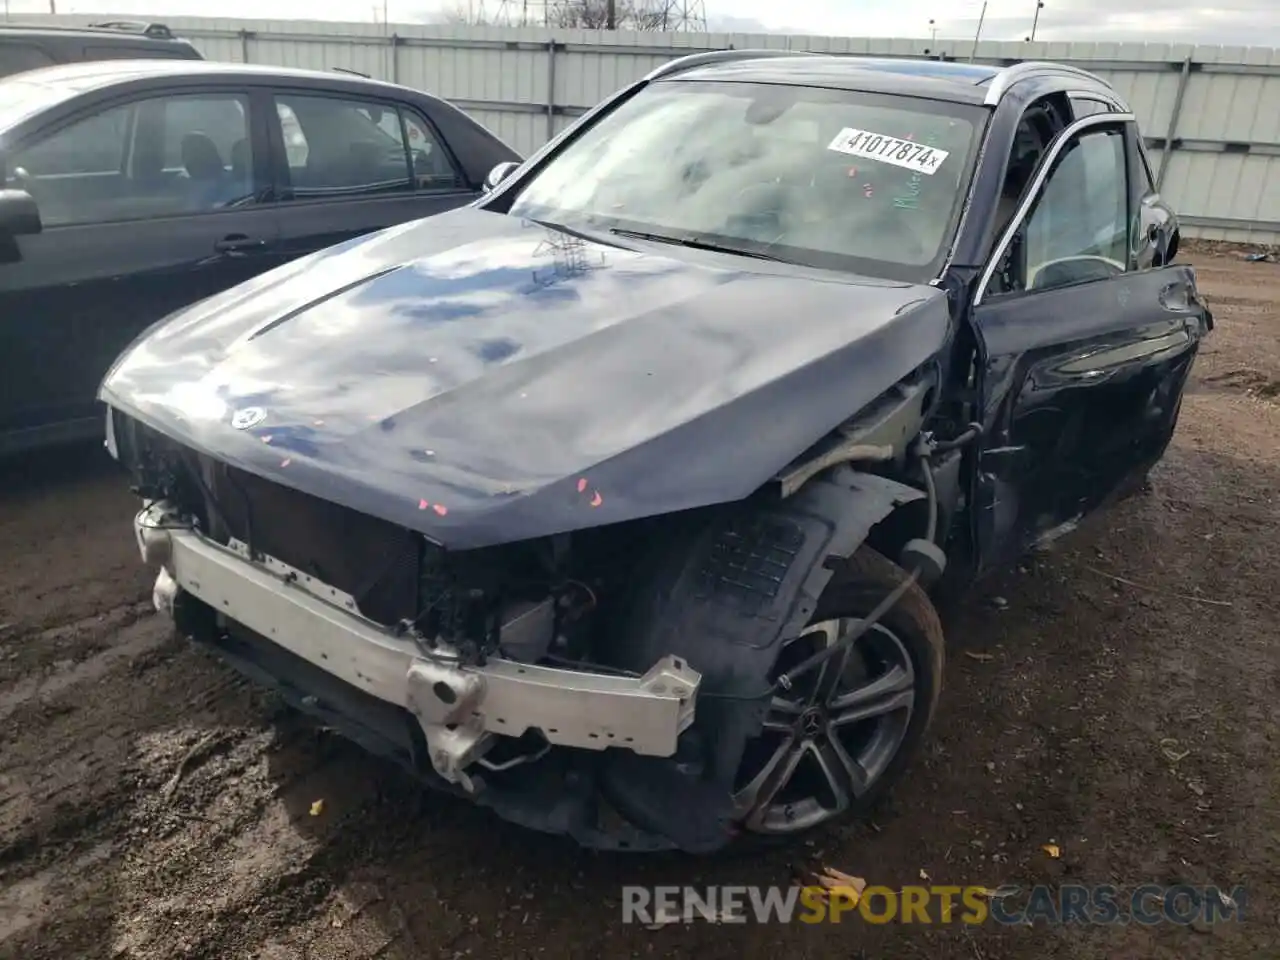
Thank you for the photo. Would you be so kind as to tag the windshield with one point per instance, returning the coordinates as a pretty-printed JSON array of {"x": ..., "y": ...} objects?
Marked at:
[{"x": 828, "y": 178}]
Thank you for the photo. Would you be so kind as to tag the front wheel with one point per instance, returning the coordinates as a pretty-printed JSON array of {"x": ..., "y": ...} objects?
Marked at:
[{"x": 831, "y": 745}]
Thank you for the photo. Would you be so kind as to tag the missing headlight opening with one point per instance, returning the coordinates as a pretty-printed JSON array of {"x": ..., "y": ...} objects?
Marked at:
[{"x": 517, "y": 662}]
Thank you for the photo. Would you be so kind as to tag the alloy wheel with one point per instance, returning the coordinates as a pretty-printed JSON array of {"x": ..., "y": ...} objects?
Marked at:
[{"x": 826, "y": 742}]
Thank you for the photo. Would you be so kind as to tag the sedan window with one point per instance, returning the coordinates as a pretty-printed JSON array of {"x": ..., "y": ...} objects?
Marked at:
[
  {"x": 342, "y": 148},
  {"x": 433, "y": 168},
  {"x": 159, "y": 157},
  {"x": 94, "y": 145},
  {"x": 828, "y": 178}
]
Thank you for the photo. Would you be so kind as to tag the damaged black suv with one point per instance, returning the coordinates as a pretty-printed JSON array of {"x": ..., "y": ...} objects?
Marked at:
[{"x": 614, "y": 501}]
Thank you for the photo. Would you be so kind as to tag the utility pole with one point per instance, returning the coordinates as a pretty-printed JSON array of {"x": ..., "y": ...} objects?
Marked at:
[
  {"x": 977, "y": 35},
  {"x": 611, "y": 15},
  {"x": 1035, "y": 20}
]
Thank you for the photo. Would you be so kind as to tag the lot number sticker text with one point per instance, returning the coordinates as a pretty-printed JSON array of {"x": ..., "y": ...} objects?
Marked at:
[{"x": 877, "y": 146}]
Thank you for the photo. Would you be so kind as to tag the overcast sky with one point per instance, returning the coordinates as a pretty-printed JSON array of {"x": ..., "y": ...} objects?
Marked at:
[
  {"x": 1166, "y": 21},
  {"x": 1244, "y": 22}
]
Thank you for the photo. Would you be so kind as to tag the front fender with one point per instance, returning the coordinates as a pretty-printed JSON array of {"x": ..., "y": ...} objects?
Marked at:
[{"x": 722, "y": 598}]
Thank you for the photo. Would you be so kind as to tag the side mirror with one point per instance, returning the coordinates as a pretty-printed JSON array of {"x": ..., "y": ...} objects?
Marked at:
[
  {"x": 498, "y": 174},
  {"x": 19, "y": 215}
]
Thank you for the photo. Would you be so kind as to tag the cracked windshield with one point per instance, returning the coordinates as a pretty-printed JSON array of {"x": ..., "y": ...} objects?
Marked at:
[{"x": 826, "y": 178}]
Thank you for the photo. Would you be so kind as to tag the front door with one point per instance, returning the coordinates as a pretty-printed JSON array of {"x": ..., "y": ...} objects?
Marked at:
[
  {"x": 149, "y": 205},
  {"x": 1084, "y": 346},
  {"x": 346, "y": 165}
]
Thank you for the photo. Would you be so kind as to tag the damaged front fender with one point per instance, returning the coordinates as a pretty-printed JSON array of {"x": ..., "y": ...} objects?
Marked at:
[{"x": 722, "y": 598}]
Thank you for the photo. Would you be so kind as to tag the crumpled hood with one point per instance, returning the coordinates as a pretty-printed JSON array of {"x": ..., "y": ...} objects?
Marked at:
[{"x": 484, "y": 379}]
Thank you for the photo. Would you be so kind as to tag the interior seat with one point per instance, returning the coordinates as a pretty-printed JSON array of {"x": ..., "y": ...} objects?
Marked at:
[{"x": 205, "y": 170}]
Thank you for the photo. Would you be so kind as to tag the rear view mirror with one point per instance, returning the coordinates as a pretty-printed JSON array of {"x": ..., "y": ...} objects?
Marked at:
[
  {"x": 19, "y": 215},
  {"x": 498, "y": 174}
]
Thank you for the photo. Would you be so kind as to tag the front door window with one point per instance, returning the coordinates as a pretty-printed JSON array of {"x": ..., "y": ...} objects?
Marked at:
[
  {"x": 158, "y": 157},
  {"x": 1078, "y": 227}
]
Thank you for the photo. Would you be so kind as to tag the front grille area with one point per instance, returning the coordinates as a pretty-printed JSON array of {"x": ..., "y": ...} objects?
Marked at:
[{"x": 376, "y": 562}]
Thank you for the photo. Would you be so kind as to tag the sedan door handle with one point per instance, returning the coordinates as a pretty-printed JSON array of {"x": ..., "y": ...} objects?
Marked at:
[{"x": 237, "y": 245}]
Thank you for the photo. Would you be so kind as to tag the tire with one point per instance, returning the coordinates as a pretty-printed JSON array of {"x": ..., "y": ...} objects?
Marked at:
[{"x": 910, "y": 632}]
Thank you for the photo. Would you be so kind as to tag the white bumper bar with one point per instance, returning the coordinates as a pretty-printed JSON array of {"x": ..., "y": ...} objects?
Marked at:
[{"x": 571, "y": 708}]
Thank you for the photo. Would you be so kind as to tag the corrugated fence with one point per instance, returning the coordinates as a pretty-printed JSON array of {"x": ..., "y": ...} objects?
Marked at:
[{"x": 1211, "y": 114}]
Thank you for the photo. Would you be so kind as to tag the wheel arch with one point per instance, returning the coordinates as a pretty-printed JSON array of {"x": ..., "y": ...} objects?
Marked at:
[{"x": 722, "y": 594}]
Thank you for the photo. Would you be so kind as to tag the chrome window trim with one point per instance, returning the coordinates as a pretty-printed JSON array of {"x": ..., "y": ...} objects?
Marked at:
[{"x": 1112, "y": 104}]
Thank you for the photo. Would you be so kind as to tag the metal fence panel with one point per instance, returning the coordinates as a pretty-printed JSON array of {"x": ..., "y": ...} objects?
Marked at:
[{"x": 1218, "y": 108}]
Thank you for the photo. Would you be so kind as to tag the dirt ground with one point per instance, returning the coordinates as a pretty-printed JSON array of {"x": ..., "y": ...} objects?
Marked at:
[{"x": 153, "y": 805}]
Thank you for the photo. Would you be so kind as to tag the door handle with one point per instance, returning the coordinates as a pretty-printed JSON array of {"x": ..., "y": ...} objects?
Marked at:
[{"x": 237, "y": 245}]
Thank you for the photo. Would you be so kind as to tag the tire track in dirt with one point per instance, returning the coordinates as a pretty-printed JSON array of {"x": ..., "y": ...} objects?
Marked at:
[
  {"x": 127, "y": 643},
  {"x": 71, "y": 577},
  {"x": 200, "y": 836},
  {"x": 112, "y": 776},
  {"x": 97, "y": 705}
]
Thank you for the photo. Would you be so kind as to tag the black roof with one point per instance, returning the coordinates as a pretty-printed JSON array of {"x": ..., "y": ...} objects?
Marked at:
[
  {"x": 942, "y": 80},
  {"x": 948, "y": 80}
]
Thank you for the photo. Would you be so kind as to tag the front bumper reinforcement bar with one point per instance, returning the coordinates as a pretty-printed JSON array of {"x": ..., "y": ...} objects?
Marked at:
[{"x": 461, "y": 708}]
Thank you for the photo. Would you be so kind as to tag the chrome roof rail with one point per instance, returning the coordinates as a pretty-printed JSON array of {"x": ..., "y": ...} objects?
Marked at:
[
  {"x": 693, "y": 60},
  {"x": 1006, "y": 78},
  {"x": 156, "y": 31}
]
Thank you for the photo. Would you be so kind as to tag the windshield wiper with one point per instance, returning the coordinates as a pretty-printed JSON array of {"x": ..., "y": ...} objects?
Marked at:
[
  {"x": 571, "y": 231},
  {"x": 692, "y": 243}
]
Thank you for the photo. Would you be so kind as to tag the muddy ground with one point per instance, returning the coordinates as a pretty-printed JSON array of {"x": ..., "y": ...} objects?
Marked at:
[{"x": 153, "y": 805}]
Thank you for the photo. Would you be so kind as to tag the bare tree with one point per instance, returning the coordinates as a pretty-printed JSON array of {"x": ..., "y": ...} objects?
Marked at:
[
  {"x": 461, "y": 11},
  {"x": 574, "y": 14}
]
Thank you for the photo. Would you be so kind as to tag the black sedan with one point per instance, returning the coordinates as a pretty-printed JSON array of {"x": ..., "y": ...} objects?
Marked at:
[{"x": 134, "y": 188}]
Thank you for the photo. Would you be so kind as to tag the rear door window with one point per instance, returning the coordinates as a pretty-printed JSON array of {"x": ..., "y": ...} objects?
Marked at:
[
  {"x": 433, "y": 168},
  {"x": 340, "y": 147}
]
